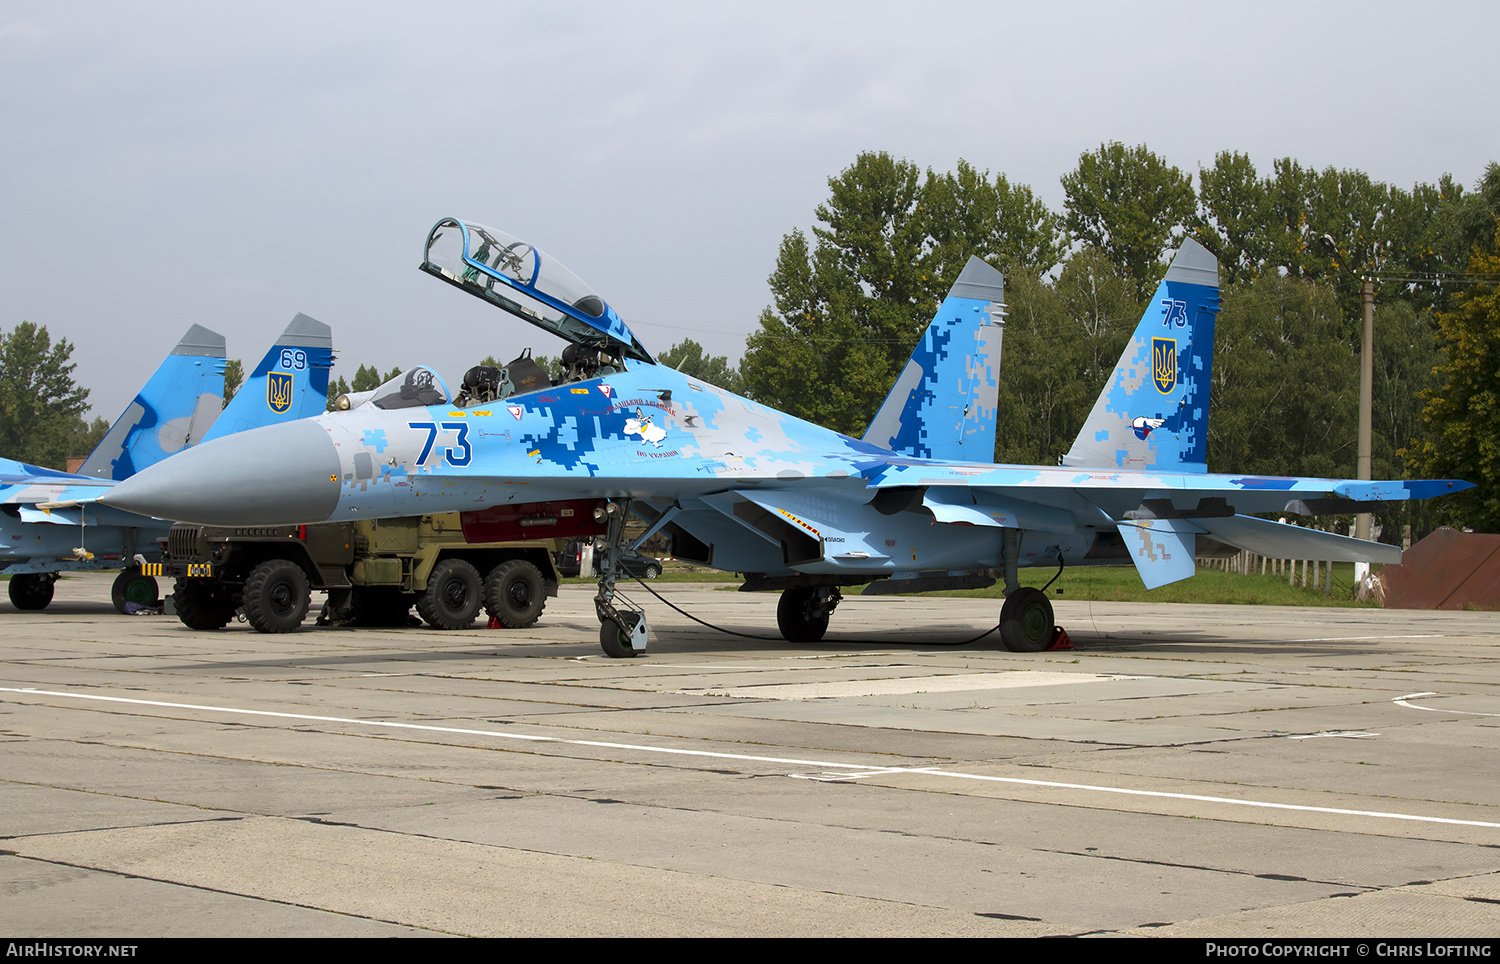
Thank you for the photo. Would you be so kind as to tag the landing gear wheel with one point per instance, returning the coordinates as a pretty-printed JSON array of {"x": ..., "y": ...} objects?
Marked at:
[
  {"x": 203, "y": 604},
  {"x": 454, "y": 592},
  {"x": 277, "y": 595},
  {"x": 515, "y": 594},
  {"x": 32, "y": 591},
  {"x": 802, "y": 614},
  {"x": 615, "y": 641},
  {"x": 1026, "y": 621},
  {"x": 380, "y": 606},
  {"x": 132, "y": 587}
]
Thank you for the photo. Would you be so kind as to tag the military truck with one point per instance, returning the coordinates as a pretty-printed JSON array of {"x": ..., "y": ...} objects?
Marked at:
[{"x": 448, "y": 565}]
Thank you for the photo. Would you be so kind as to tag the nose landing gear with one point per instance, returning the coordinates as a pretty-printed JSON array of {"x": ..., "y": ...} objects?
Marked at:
[{"x": 622, "y": 632}]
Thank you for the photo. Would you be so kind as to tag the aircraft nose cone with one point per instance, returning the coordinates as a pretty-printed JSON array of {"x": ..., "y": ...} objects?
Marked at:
[{"x": 278, "y": 475}]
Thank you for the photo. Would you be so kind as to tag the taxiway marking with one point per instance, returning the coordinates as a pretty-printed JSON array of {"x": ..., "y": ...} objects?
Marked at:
[
  {"x": 1402, "y": 701},
  {"x": 849, "y": 770}
]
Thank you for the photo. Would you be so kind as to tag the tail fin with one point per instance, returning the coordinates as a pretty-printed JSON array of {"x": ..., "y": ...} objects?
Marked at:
[
  {"x": 943, "y": 403},
  {"x": 291, "y": 382},
  {"x": 173, "y": 411},
  {"x": 1153, "y": 412}
]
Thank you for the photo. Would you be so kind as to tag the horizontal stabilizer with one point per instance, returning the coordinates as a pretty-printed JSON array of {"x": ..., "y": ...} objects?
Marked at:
[
  {"x": 1163, "y": 550},
  {"x": 1280, "y": 540}
]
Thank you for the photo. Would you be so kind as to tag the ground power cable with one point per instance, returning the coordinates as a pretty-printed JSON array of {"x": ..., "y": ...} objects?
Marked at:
[{"x": 779, "y": 639}]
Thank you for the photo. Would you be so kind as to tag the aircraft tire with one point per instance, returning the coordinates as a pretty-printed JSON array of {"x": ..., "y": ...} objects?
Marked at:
[
  {"x": 453, "y": 595},
  {"x": 202, "y": 604},
  {"x": 32, "y": 591},
  {"x": 277, "y": 595},
  {"x": 515, "y": 594},
  {"x": 614, "y": 641},
  {"x": 1026, "y": 621},
  {"x": 132, "y": 587},
  {"x": 796, "y": 616}
]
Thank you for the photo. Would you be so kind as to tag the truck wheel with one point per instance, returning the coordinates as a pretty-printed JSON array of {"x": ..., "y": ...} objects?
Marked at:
[
  {"x": 132, "y": 587},
  {"x": 514, "y": 593},
  {"x": 277, "y": 595},
  {"x": 32, "y": 590},
  {"x": 453, "y": 595},
  {"x": 203, "y": 603}
]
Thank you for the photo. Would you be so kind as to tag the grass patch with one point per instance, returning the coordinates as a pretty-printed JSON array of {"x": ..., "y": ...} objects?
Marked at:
[{"x": 1209, "y": 586}]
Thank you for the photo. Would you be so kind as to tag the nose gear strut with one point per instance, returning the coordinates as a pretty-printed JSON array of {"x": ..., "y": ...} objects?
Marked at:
[{"x": 622, "y": 631}]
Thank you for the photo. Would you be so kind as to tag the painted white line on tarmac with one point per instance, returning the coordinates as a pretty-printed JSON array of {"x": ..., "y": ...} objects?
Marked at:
[
  {"x": 1354, "y": 639},
  {"x": 1402, "y": 701},
  {"x": 1320, "y": 736},
  {"x": 852, "y": 770}
]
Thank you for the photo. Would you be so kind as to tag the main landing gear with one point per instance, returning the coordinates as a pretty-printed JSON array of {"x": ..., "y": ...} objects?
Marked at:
[
  {"x": 622, "y": 632},
  {"x": 802, "y": 614},
  {"x": 1026, "y": 621},
  {"x": 32, "y": 591}
]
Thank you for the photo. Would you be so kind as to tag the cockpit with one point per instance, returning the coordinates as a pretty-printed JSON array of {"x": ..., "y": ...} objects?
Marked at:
[
  {"x": 517, "y": 277},
  {"x": 420, "y": 387}
]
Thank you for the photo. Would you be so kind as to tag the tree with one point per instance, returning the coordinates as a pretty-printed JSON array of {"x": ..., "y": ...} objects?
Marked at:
[
  {"x": 40, "y": 406},
  {"x": 84, "y": 437},
  {"x": 1005, "y": 224},
  {"x": 847, "y": 311},
  {"x": 1132, "y": 205},
  {"x": 366, "y": 377},
  {"x": 1061, "y": 343},
  {"x": 687, "y": 357},
  {"x": 1463, "y": 414},
  {"x": 1284, "y": 383},
  {"x": 234, "y": 376},
  {"x": 850, "y": 305},
  {"x": 1234, "y": 214}
]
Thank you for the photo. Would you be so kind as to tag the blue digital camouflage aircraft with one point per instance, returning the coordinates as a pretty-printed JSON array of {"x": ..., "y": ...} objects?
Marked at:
[
  {"x": 49, "y": 522},
  {"x": 915, "y": 505}
]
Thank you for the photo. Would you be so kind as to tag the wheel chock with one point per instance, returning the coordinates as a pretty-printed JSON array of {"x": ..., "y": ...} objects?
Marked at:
[
  {"x": 1060, "y": 639},
  {"x": 494, "y": 623}
]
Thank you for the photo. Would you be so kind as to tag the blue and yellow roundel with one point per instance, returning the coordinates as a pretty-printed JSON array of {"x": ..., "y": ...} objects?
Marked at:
[
  {"x": 279, "y": 392},
  {"x": 1164, "y": 364}
]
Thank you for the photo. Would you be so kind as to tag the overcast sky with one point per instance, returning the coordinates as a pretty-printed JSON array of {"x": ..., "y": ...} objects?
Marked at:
[{"x": 231, "y": 164}]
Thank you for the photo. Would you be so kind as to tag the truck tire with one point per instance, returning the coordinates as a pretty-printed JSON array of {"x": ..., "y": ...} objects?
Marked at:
[
  {"x": 514, "y": 593},
  {"x": 203, "y": 604},
  {"x": 453, "y": 595},
  {"x": 277, "y": 595},
  {"x": 132, "y": 587}
]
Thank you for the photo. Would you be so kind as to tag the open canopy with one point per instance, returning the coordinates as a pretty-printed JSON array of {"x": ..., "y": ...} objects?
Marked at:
[{"x": 514, "y": 275}]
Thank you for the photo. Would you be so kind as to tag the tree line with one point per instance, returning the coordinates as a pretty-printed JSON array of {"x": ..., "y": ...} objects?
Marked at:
[{"x": 1294, "y": 245}]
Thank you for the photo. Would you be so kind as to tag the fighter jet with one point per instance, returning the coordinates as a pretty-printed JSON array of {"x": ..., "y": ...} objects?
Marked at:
[
  {"x": 915, "y": 505},
  {"x": 50, "y": 522}
]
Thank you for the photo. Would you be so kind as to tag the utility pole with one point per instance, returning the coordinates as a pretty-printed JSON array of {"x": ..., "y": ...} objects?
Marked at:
[{"x": 1363, "y": 521}]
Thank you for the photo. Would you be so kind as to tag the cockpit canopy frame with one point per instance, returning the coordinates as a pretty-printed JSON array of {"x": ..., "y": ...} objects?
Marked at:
[{"x": 517, "y": 277}]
